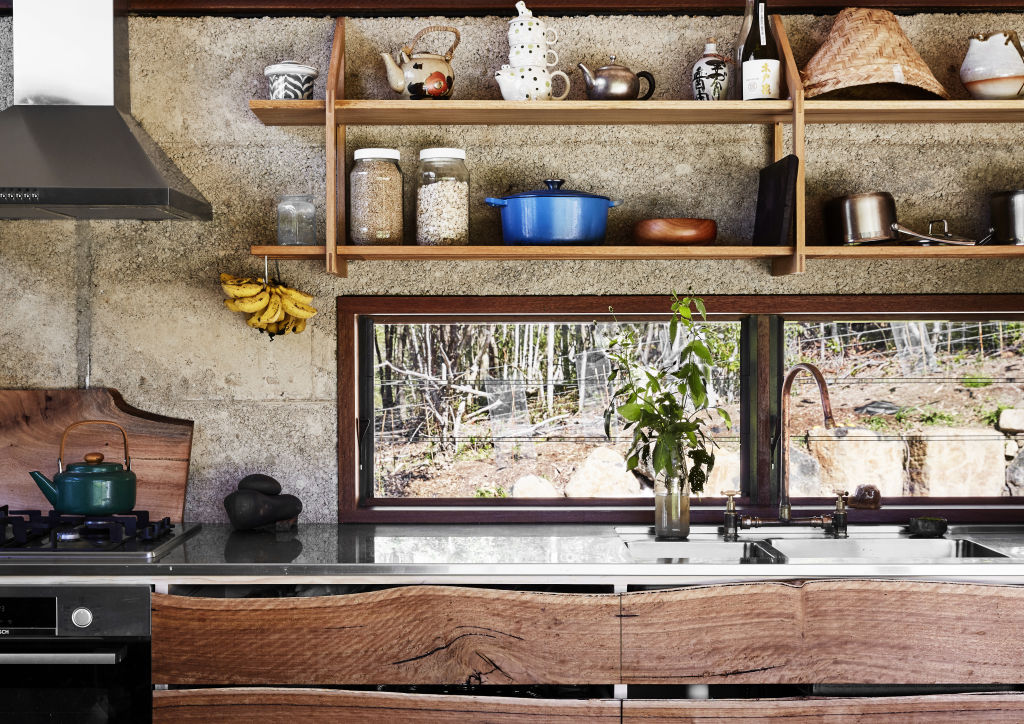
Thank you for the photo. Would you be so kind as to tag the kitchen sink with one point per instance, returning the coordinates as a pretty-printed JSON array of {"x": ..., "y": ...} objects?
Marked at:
[
  {"x": 880, "y": 550},
  {"x": 701, "y": 551}
]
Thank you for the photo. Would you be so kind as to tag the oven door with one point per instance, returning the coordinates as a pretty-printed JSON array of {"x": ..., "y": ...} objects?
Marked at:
[{"x": 78, "y": 681}]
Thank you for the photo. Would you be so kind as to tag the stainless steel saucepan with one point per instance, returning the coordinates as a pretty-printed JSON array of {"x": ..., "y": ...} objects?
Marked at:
[
  {"x": 870, "y": 218},
  {"x": 1007, "y": 209}
]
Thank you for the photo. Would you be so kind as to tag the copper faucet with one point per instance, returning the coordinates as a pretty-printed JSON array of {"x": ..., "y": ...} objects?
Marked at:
[{"x": 785, "y": 511}]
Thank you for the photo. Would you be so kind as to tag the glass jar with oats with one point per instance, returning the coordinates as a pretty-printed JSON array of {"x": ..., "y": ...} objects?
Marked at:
[
  {"x": 375, "y": 197},
  {"x": 442, "y": 198}
]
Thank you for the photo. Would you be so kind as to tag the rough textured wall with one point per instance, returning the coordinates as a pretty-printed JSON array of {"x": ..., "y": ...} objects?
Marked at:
[{"x": 135, "y": 305}]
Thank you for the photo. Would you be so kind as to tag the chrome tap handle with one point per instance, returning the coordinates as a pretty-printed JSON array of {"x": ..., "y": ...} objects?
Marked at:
[
  {"x": 731, "y": 518},
  {"x": 840, "y": 516}
]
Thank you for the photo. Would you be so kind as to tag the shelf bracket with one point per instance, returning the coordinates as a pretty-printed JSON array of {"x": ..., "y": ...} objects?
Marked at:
[
  {"x": 335, "y": 205},
  {"x": 792, "y": 264}
]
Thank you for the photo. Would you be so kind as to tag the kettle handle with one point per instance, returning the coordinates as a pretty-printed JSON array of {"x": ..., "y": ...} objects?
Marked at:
[
  {"x": 63, "y": 439},
  {"x": 407, "y": 49},
  {"x": 650, "y": 84}
]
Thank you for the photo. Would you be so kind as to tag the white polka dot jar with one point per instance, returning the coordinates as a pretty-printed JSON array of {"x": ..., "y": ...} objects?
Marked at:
[{"x": 526, "y": 29}]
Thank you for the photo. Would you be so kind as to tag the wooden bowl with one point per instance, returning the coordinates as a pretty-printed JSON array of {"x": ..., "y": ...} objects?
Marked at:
[{"x": 660, "y": 232}]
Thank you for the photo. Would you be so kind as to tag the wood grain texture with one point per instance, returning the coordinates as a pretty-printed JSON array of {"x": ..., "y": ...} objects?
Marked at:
[
  {"x": 795, "y": 263},
  {"x": 335, "y": 155},
  {"x": 843, "y": 631},
  {"x": 312, "y": 706},
  {"x": 289, "y": 113},
  {"x": 920, "y": 111},
  {"x": 408, "y": 635},
  {"x": 31, "y": 425},
  {"x": 939, "y": 709}
]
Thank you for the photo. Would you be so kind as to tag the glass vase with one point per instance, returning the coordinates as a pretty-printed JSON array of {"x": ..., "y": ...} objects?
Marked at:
[{"x": 672, "y": 509}]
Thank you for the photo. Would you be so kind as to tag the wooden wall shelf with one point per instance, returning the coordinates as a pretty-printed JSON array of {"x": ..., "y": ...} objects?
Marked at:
[
  {"x": 513, "y": 253},
  {"x": 872, "y": 251},
  {"x": 914, "y": 111},
  {"x": 335, "y": 113}
]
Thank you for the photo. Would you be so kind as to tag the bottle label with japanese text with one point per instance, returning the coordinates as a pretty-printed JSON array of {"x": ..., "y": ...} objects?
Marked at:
[{"x": 761, "y": 79}]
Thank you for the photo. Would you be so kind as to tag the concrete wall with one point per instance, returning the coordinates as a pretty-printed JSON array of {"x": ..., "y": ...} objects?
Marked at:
[{"x": 136, "y": 305}]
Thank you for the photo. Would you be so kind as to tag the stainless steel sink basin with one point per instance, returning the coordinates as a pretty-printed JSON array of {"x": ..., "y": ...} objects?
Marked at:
[
  {"x": 701, "y": 551},
  {"x": 880, "y": 550}
]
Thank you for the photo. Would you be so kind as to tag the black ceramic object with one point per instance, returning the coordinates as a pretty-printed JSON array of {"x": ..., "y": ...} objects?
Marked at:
[
  {"x": 250, "y": 509},
  {"x": 261, "y": 546},
  {"x": 261, "y": 483}
]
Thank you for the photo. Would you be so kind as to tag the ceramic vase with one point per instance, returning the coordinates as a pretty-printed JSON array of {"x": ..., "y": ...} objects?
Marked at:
[
  {"x": 711, "y": 75},
  {"x": 993, "y": 68}
]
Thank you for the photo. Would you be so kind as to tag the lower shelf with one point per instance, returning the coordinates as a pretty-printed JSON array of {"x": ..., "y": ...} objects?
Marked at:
[
  {"x": 912, "y": 252},
  {"x": 512, "y": 253}
]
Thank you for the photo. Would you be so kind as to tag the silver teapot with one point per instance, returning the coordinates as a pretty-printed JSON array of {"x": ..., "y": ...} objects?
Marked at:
[{"x": 615, "y": 82}]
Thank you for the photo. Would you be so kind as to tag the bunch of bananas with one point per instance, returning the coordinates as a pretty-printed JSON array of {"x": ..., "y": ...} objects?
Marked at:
[{"x": 272, "y": 307}]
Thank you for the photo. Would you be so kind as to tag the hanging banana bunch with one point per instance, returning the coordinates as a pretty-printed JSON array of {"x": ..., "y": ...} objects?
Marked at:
[{"x": 271, "y": 307}]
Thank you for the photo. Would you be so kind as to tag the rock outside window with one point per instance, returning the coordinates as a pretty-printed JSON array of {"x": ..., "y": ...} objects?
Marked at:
[{"x": 375, "y": 188}]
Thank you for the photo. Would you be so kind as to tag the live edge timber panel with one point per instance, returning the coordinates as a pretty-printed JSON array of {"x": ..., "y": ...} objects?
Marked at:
[
  {"x": 829, "y": 631},
  {"x": 312, "y": 706},
  {"x": 406, "y": 635},
  {"x": 940, "y": 709}
]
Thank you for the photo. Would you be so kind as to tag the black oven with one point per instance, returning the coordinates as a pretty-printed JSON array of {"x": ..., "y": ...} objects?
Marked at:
[{"x": 75, "y": 654}]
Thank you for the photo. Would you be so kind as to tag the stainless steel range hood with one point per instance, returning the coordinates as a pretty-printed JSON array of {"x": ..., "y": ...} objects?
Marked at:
[{"x": 69, "y": 147}]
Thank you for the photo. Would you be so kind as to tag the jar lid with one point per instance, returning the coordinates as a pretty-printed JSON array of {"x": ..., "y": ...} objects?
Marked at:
[
  {"x": 554, "y": 188},
  {"x": 361, "y": 153},
  {"x": 427, "y": 153},
  {"x": 290, "y": 66}
]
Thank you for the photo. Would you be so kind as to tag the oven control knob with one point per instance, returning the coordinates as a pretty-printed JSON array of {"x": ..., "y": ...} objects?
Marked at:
[{"x": 81, "y": 617}]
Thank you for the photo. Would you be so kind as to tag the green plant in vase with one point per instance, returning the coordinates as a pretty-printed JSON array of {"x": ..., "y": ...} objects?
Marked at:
[{"x": 666, "y": 405}]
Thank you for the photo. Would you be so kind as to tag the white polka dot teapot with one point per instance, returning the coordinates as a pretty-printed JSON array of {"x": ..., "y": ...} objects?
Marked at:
[{"x": 526, "y": 77}]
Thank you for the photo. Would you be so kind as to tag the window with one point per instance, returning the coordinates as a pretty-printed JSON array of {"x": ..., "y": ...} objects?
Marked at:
[{"x": 455, "y": 408}]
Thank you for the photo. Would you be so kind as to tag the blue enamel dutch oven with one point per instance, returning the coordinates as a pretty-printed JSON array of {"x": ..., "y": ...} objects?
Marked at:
[{"x": 553, "y": 216}]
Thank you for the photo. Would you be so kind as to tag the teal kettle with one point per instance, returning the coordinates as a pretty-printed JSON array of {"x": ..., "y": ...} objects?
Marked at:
[{"x": 92, "y": 487}]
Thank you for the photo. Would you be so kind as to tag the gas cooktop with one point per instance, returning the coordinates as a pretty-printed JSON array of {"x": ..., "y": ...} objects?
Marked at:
[{"x": 60, "y": 537}]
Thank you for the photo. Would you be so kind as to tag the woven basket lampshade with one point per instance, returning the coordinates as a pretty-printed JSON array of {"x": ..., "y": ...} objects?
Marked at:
[{"x": 864, "y": 47}]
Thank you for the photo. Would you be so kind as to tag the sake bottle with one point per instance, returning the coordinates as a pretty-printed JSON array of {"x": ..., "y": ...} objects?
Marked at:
[{"x": 761, "y": 62}]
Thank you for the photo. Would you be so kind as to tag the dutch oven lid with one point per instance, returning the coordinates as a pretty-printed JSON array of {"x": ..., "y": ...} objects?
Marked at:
[{"x": 554, "y": 188}]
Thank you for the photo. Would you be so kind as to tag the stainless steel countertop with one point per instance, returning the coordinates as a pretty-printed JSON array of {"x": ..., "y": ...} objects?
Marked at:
[{"x": 489, "y": 554}]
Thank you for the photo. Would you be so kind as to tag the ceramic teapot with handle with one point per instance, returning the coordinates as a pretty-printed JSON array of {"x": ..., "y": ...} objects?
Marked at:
[
  {"x": 92, "y": 487},
  {"x": 614, "y": 82},
  {"x": 994, "y": 66},
  {"x": 422, "y": 75}
]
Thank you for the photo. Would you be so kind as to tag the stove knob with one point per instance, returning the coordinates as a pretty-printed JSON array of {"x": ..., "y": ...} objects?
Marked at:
[{"x": 81, "y": 617}]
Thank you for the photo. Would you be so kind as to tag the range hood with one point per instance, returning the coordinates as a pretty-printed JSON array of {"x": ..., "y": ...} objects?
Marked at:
[{"x": 69, "y": 147}]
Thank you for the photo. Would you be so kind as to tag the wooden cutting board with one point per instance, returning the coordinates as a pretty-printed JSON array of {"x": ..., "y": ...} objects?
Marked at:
[{"x": 31, "y": 425}]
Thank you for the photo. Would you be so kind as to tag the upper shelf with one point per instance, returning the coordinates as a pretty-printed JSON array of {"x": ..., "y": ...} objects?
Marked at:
[
  {"x": 913, "y": 111},
  {"x": 390, "y": 113},
  {"x": 522, "y": 113}
]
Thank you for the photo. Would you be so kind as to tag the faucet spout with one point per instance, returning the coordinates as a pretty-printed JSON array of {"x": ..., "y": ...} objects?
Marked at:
[{"x": 785, "y": 510}]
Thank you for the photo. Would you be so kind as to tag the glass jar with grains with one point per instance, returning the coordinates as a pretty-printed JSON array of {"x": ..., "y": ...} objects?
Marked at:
[
  {"x": 375, "y": 190},
  {"x": 442, "y": 198}
]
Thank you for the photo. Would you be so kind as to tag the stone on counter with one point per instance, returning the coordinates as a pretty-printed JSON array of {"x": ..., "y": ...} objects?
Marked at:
[
  {"x": 1011, "y": 420},
  {"x": 603, "y": 475},
  {"x": 260, "y": 483},
  {"x": 851, "y": 456},
  {"x": 956, "y": 462},
  {"x": 534, "y": 486}
]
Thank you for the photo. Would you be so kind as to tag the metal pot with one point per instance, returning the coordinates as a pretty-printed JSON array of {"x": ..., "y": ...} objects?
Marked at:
[
  {"x": 871, "y": 218},
  {"x": 1007, "y": 209},
  {"x": 553, "y": 216},
  {"x": 92, "y": 487}
]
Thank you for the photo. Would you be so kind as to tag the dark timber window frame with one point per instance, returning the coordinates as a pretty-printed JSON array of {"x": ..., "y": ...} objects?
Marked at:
[{"x": 761, "y": 372}]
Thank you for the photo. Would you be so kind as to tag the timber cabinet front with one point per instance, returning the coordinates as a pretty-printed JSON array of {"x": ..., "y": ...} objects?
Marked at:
[{"x": 821, "y": 631}]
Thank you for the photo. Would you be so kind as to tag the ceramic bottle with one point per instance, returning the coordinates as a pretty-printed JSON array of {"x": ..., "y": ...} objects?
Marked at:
[
  {"x": 711, "y": 75},
  {"x": 994, "y": 66}
]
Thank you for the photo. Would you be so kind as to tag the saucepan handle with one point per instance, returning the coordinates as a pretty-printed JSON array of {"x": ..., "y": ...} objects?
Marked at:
[
  {"x": 495, "y": 202},
  {"x": 937, "y": 239}
]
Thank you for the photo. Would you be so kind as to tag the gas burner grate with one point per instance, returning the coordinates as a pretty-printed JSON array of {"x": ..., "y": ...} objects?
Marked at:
[{"x": 33, "y": 528}]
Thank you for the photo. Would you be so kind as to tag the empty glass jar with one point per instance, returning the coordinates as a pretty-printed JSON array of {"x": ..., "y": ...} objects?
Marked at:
[{"x": 296, "y": 220}]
